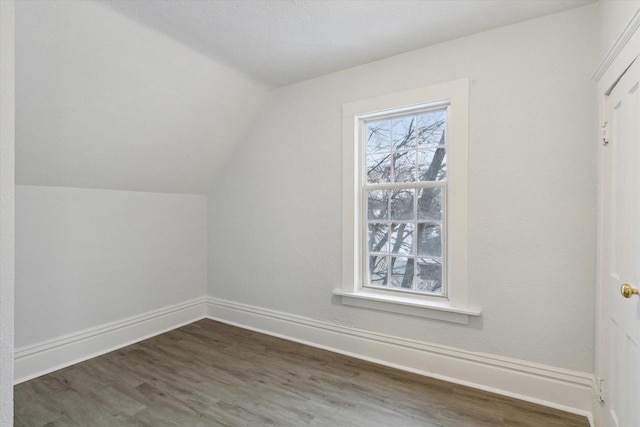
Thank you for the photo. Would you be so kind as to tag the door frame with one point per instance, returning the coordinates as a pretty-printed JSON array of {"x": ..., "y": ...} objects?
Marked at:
[{"x": 619, "y": 58}]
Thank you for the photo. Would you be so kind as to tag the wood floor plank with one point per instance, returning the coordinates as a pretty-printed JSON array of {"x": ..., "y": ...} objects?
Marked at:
[{"x": 211, "y": 374}]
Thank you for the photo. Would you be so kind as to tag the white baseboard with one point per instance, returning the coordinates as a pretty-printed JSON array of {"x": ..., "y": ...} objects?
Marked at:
[
  {"x": 563, "y": 389},
  {"x": 42, "y": 358}
]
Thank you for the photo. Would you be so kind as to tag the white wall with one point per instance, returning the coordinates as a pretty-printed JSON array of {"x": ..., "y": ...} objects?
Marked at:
[
  {"x": 87, "y": 257},
  {"x": 104, "y": 102},
  {"x": 7, "y": 205},
  {"x": 274, "y": 216}
]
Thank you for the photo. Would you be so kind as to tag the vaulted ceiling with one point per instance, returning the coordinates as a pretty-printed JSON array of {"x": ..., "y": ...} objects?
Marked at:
[
  {"x": 287, "y": 41},
  {"x": 154, "y": 95},
  {"x": 104, "y": 102}
]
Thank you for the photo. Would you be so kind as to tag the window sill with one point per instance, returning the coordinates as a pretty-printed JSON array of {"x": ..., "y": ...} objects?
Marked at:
[{"x": 407, "y": 305}]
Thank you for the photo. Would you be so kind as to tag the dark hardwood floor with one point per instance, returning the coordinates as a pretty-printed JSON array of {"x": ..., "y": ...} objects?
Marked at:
[{"x": 211, "y": 374}]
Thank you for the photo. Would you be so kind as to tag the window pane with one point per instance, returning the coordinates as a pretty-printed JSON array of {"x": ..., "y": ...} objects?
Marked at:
[
  {"x": 432, "y": 164},
  {"x": 378, "y": 270},
  {"x": 403, "y": 130},
  {"x": 405, "y": 224},
  {"x": 378, "y": 238},
  {"x": 404, "y": 166},
  {"x": 402, "y": 238},
  {"x": 402, "y": 204},
  {"x": 430, "y": 204},
  {"x": 377, "y": 206},
  {"x": 431, "y": 128},
  {"x": 379, "y": 167},
  {"x": 378, "y": 136},
  {"x": 429, "y": 240},
  {"x": 429, "y": 276},
  {"x": 401, "y": 272}
]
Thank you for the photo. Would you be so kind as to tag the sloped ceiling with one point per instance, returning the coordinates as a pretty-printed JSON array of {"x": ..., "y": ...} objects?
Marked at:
[
  {"x": 282, "y": 42},
  {"x": 105, "y": 102}
]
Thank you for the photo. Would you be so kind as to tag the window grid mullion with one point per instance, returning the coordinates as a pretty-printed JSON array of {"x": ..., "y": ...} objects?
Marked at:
[
  {"x": 416, "y": 177},
  {"x": 405, "y": 185},
  {"x": 405, "y": 221},
  {"x": 378, "y": 254},
  {"x": 391, "y": 187},
  {"x": 392, "y": 178},
  {"x": 389, "y": 195},
  {"x": 388, "y": 255}
]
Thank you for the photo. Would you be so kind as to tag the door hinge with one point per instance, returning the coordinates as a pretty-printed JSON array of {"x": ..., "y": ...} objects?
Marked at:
[
  {"x": 599, "y": 385},
  {"x": 605, "y": 133}
]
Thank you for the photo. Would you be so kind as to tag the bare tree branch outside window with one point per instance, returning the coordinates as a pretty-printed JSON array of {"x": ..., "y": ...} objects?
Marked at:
[{"x": 404, "y": 226}]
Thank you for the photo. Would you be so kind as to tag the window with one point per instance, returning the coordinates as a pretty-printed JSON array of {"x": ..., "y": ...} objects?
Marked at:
[
  {"x": 405, "y": 202},
  {"x": 404, "y": 187}
]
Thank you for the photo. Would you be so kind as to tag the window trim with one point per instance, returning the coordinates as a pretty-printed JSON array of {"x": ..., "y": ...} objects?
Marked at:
[{"x": 455, "y": 306}]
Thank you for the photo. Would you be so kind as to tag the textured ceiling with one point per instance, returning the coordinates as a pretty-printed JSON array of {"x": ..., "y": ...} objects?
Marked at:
[
  {"x": 105, "y": 102},
  {"x": 281, "y": 42}
]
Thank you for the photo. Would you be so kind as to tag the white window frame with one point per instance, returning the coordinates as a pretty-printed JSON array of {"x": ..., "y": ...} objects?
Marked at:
[{"x": 454, "y": 306}]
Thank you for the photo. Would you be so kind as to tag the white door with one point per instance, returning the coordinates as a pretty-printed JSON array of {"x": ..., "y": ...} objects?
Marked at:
[{"x": 622, "y": 253}]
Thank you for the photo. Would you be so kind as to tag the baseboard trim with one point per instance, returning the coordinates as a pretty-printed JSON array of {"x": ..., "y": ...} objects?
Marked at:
[
  {"x": 43, "y": 358},
  {"x": 557, "y": 388},
  {"x": 562, "y": 389}
]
